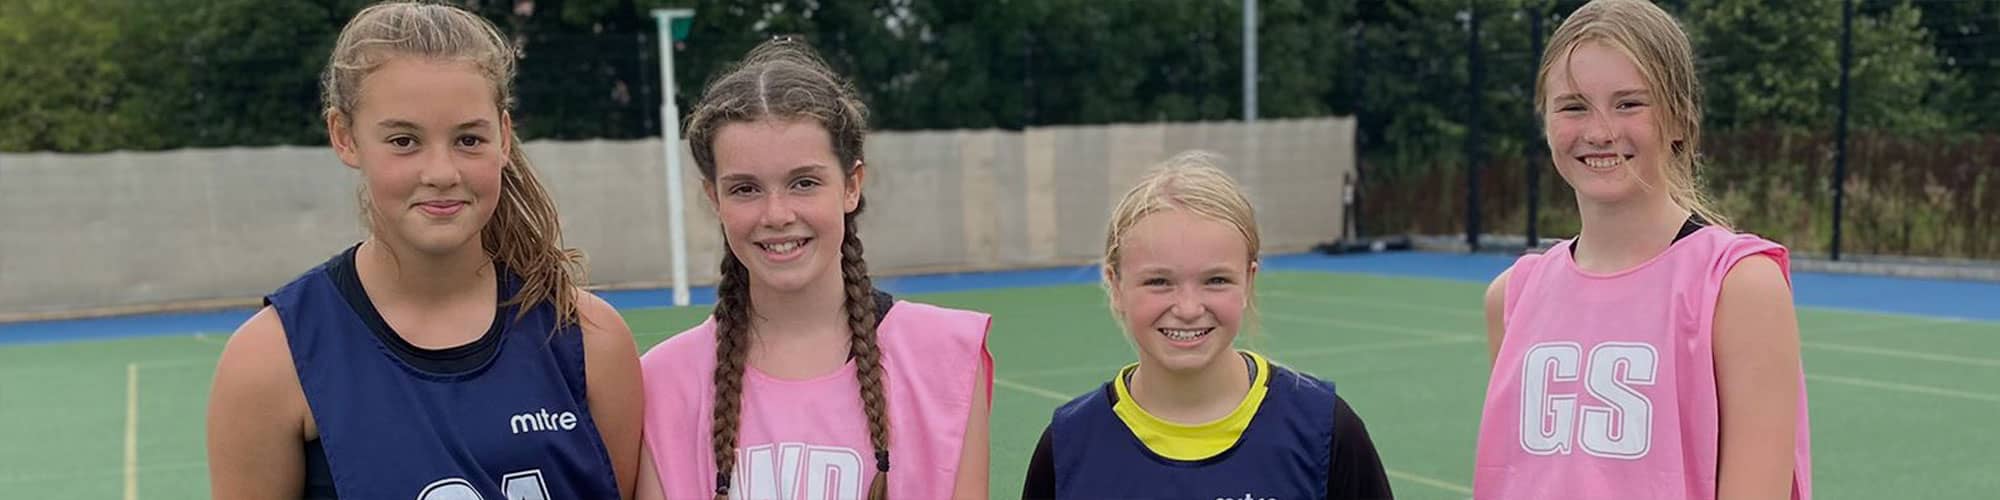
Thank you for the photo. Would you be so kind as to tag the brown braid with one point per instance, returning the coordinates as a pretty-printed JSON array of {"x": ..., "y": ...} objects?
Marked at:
[
  {"x": 867, "y": 358},
  {"x": 732, "y": 324}
]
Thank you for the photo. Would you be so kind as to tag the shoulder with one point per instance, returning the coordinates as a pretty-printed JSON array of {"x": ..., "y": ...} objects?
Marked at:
[
  {"x": 681, "y": 364},
  {"x": 603, "y": 328},
  {"x": 928, "y": 330},
  {"x": 1496, "y": 291},
  {"x": 1758, "y": 282},
  {"x": 256, "y": 366},
  {"x": 964, "y": 322},
  {"x": 1096, "y": 399},
  {"x": 258, "y": 349},
  {"x": 1302, "y": 396}
]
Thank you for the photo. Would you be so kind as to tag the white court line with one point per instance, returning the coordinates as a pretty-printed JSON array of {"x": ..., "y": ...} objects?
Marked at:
[
  {"x": 1030, "y": 389},
  {"x": 1452, "y": 487},
  {"x": 215, "y": 341},
  {"x": 1419, "y": 479},
  {"x": 1916, "y": 389},
  {"x": 100, "y": 474},
  {"x": 131, "y": 431},
  {"x": 1942, "y": 358}
]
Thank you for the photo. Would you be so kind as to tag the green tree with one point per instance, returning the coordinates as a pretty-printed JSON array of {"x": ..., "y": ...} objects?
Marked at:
[
  {"x": 1778, "y": 65},
  {"x": 61, "y": 92}
]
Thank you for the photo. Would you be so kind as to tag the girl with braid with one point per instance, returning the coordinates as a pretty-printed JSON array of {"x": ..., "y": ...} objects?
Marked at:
[{"x": 760, "y": 401}]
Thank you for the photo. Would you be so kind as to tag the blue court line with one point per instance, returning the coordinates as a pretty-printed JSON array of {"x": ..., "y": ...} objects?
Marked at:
[{"x": 1935, "y": 298}]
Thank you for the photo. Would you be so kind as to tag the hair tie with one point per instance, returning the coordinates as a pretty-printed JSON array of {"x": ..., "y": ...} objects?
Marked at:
[
  {"x": 882, "y": 460},
  {"x": 721, "y": 483}
]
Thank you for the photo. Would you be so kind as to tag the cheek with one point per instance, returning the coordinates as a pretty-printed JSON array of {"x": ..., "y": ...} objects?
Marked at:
[
  {"x": 388, "y": 183},
  {"x": 1560, "y": 133},
  {"x": 486, "y": 179},
  {"x": 1227, "y": 307},
  {"x": 1139, "y": 308},
  {"x": 737, "y": 219}
]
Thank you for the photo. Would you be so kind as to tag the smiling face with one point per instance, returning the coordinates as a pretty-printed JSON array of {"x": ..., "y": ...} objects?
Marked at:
[
  {"x": 1180, "y": 287},
  {"x": 783, "y": 201},
  {"x": 429, "y": 139},
  {"x": 1603, "y": 126}
]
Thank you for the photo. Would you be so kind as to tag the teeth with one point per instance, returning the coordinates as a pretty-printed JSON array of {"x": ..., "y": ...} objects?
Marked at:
[
  {"x": 1603, "y": 161},
  {"x": 785, "y": 247},
  {"x": 1185, "y": 334}
]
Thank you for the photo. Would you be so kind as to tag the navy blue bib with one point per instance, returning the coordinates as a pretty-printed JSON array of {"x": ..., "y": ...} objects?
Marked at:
[
  {"x": 515, "y": 425},
  {"x": 1284, "y": 453}
]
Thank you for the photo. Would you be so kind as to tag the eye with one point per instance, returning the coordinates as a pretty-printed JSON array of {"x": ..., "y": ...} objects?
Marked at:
[
  {"x": 1631, "y": 105},
  {"x": 471, "y": 141},
  {"x": 745, "y": 189},
  {"x": 1154, "y": 282},
  {"x": 805, "y": 184},
  {"x": 1220, "y": 280},
  {"x": 1566, "y": 108},
  {"x": 402, "y": 142}
]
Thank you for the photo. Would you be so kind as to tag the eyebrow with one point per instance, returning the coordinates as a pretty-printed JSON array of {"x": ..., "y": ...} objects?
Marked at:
[
  {"x": 1573, "y": 96},
  {"x": 393, "y": 123},
  {"x": 796, "y": 171},
  {"x": 1216, "y": 269}
]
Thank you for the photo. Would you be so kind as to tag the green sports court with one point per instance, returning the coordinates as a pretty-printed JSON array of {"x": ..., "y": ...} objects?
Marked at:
[{"x": 1903, "y": 375}]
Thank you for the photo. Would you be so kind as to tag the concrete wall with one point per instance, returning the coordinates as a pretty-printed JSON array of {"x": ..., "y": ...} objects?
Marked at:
[{"x": 122, "y": 230}]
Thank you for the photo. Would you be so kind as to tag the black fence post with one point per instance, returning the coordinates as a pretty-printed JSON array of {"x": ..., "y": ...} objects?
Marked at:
[
  {"x": 1840, "y": 129},
  {"x": 1472, "y": 156}
]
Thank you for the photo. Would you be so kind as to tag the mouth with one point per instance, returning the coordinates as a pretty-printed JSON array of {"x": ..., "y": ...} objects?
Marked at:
[
  {"x": 1185, "y": 335},
  {"x": 1603, "y": 162},
  {"x": 442, "y": 208},
  {"x": 782, "y": 249}
]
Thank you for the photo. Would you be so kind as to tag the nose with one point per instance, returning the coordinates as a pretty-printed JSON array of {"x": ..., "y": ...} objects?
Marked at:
[
  {"x": 1187, "y": 304},
  {"x": 778, "y": 212},
  {"x": 438, "y": 170},
  {"x": 1599, "y": 131}
]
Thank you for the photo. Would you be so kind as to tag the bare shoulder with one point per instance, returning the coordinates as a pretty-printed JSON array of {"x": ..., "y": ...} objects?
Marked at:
[
  {"x": 258, "y": 357},
  {"x": 1496, "y": 291},
  {"x": 599, "y": 321},
  {"x": 255, "y": 380},
  {"x": 1756, "y": 278}
]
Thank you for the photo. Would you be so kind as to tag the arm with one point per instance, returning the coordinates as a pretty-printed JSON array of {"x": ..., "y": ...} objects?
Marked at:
[
  {"x": 611, "y": 372},
  {"x": 257, "y": 416},
  {"x": 1756, "y": 377},
  {"x": 974, "y": 457},
  {"x": 1356, "y": 469},
  {"x": 1496, "y": 314},
  {"x": 1041, "y": 481},
  {"x": 649, "y": 479}
]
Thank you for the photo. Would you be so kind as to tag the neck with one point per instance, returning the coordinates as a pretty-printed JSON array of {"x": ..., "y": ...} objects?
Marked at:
[
  {"x": 1192, "y": 396},
  {"x": 1622, "y": 235},
  {"x": 406, "y": 275},
  {"x": 819, "y": 308}
]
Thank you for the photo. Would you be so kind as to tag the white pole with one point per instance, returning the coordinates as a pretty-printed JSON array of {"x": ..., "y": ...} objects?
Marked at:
[
  {"x": 1249, "y": 60},
  {"x": 670, "y": 141}
]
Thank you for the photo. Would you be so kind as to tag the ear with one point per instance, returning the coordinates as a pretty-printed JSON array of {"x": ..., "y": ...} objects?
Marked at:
[
  {"x": 342, "y": 138},
  {"x": 851, "y": 192},
  {"x": 708, "y": 189},
  {"x": 1111, "y": 286},
  {"x": 1250, "y": 280},
  {"x": 507, "y": 132}
]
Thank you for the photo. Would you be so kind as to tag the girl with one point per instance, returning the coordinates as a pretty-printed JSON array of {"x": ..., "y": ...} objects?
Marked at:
[
  {"x": 449, "y": 355},
  {"x": 760, "y": 400},
  {"x": 1196, "y": 418},
  {"x": 1664, "y": 362}
]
